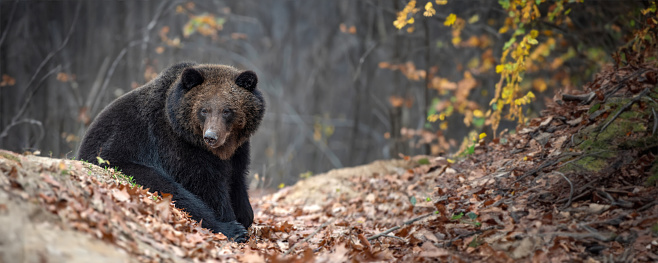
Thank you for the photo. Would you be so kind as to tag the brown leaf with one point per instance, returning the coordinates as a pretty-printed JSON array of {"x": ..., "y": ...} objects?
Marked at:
[
  {"x": 120, "y": 195},
  {"x": 431, "y": 251}
]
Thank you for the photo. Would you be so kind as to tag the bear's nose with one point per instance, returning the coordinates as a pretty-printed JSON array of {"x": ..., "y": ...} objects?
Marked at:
[{"x": 210, "y": 137}]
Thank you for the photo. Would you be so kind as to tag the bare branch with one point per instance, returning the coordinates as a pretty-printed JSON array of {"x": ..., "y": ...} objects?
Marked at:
[
  {"x": 400, "y": 226},
  {"x": 568, "y": 203},
  {"x": 309, "y": 236},
  {"x": 93, "y": 106},
  {"x": 52, "y": 53},
  {"x": 11, "y": 16},
  {"x": 16, "y": 119},
  {"x": 624, "y": 108}
]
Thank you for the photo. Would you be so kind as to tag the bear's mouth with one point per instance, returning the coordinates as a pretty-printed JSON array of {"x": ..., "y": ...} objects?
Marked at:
[{"x": 215, "y": 142}]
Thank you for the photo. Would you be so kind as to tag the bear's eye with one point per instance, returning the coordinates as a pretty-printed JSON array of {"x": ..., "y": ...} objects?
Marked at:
[
  {"x": 204, "y": 112},
  {"x": 227, "y": 112}
]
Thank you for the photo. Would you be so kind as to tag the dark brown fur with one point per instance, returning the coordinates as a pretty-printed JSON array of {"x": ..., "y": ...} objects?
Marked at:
[
  {"x": 156, "y": 134},
  {"x": 244, "y": 104}
]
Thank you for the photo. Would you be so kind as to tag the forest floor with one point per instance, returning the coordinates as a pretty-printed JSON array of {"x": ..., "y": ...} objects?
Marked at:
[{"x": 576, "y": 184}]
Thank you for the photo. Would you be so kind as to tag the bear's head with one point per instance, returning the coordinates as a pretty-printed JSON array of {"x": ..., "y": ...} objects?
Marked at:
[{"x": 215, "y": 107}]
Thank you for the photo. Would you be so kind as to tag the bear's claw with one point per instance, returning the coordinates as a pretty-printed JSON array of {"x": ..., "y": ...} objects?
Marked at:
[{"x": 236, "y": 232}]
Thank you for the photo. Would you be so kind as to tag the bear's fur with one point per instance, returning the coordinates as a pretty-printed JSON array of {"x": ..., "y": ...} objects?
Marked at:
[{"x": 186, "y": 133}]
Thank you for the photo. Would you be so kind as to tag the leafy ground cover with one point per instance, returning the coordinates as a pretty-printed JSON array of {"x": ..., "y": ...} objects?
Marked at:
[{"x": 576, "y": 184}]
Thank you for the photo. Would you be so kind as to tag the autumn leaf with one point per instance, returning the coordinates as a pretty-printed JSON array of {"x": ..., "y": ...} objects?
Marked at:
[
  {"x": 450, "y": 20},
  {"x": 429, "y": 10},
  {"x": 7, "y": 81}
]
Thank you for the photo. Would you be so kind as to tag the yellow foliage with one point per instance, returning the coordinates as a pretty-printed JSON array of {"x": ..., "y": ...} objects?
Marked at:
[
  {"x": 524, "y": 51},
  {"x": 405, "y": 17},
  {"x": 450, "y": 20},
  {"x": 456, "y": 41},
  {"x": 500, "y": 68},
  {"x": 433, "y": 118},
  {"x": 478, "y": 114},
  {"x": 429, "y": 10}
]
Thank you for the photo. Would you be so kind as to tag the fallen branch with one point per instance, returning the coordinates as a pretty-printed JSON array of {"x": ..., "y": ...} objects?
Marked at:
[
  {"x": 655, "y": 121},
  {"x": 469, "y": 234},
  {"x": 622, "y": 83},
  {"x": 568, "y": 203},
  {"x": 548, "y": 163},
  {"x": 544, "y": 165},
  {"x": 596, "y": 235},
  {"x": 398, "y": 227},
  {"x": 647, "y": 206},
  {"x": 620, "y": 203},
  {"x": 396, "y": 237},
  {"x": 583, "y": 98},
  {"x": 309, "y": 236}
]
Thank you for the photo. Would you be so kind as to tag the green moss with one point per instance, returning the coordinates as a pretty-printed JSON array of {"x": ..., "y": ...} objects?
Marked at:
[{"x": 628, "y": 131}]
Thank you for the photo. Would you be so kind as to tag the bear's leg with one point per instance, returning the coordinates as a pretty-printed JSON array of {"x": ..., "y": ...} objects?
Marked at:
[
  {"x": 240, "y": 202},
  {"x": 198, "y": 210},
  {"x": 238, "y": 190}
]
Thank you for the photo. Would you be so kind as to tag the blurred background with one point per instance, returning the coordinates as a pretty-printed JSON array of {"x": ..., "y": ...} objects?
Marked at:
[{"x": 344, "y": 85}]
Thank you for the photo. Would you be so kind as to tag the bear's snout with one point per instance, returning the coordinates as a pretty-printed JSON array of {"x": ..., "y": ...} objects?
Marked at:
[
  {"x": 210, "y": 137},
  {"x": 214, "y": 140}
]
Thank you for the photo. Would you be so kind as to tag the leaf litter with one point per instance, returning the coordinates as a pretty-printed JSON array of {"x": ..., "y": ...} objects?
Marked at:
[{"x": 576, "y": 184}]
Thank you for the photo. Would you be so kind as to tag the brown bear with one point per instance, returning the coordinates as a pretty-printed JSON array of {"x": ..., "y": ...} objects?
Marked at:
[{"x": 186, "y": 133}]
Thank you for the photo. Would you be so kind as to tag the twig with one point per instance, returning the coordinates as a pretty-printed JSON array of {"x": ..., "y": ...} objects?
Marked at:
[
  {"x": 470, "y": 234},
  {"x": 655, "y": 121},
  {"x": 51, "y": 54},
  {"x": 622, "y": 83},
  {"x": 398, "y": 227},
  {"x": 568, "y": 203},
  {"x": 533, "y": 171},
  {"x": 584, "y": 190},
  {"x": 363, "y": 59},
  {"x": 15, "y": 120},
  {"x": 620, "y": 203},
  {"x": 93, "y": 106},
  {"x": 594, "y": 235},
  {"x": 397, "y": 237},
  {"x": 544, "y": 165},
  {"x": 647, "y": 206},
  {"x": 309, "y": 236},
  {"x": 11, "y": 16},
  {"x": 623, "y": 108}
]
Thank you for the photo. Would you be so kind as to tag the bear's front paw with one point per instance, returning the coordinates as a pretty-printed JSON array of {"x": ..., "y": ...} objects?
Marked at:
[
  {"x": 236, "y": 232},
  {"x": 245, "y": 216}
]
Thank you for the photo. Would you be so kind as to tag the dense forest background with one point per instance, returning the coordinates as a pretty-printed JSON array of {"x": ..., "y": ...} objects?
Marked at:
[{"x": 344, "y": 86}]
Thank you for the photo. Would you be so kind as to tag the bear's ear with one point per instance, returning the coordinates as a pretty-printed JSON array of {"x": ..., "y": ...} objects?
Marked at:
[
  {"x": 247, "y": 80},
  {"x": 190, "y": 78}
]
